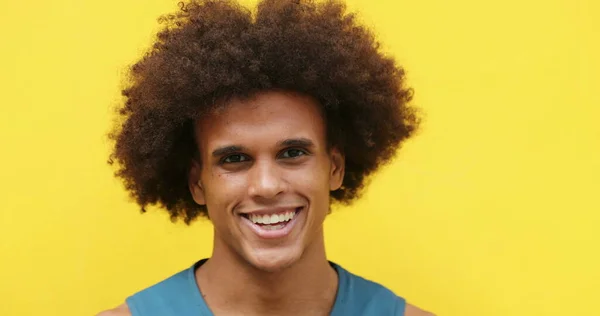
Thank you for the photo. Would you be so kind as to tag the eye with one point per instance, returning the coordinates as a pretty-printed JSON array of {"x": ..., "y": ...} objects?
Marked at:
[
  {"x": 293, "y": 153},
  {"x": 235, "y": 158}
]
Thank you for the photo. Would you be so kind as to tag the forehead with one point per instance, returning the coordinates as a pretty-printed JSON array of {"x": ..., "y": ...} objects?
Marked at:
[{"x": 265, "y": 118}]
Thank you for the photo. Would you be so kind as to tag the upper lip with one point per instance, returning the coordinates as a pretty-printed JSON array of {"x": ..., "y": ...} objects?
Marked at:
[{"x": 271, "y": 210}]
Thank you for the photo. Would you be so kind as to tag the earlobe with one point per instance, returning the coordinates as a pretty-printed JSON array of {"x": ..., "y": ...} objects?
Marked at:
[
  {"x": 338, "y": 163},
  {"x": 195, "y": 184}
]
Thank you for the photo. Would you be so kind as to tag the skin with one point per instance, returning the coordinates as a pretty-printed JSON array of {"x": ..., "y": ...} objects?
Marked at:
[{"x": 259, "y": 155}]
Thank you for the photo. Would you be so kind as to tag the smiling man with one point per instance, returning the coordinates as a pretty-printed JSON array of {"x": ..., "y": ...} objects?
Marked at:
[{"x": 259, "y": 122}]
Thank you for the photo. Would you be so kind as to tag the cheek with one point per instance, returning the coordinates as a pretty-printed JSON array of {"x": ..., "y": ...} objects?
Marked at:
[
  {"x": 313, "y": 180},
  {"x": 222, "y": 190}
]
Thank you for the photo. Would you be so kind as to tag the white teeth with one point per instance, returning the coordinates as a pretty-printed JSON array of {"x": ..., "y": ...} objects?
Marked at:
[
  {"x": 256, "y": 218},
  {"x": 272, "y": 219},
  {"x": 273, "y": 227}
]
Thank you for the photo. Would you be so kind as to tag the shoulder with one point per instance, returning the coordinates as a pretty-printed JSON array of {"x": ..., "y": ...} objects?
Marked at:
[
  {"x": 372, "y": 298},
  {"x": 360, "y": 296},
  {"x": 412, "y": 310},
  {"x": 122, "y": 310}
]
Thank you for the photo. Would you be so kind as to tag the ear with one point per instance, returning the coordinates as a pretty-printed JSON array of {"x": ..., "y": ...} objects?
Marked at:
[
  {"x": 195, "y": 184},
  {"x": 338, "y": 165}
]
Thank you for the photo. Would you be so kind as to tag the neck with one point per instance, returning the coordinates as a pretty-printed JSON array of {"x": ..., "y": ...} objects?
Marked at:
[{"x": 308, "y": 286}]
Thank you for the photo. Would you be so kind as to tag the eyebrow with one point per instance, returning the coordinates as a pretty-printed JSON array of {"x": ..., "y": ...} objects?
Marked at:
[
  {"x": 222, "y": 151},
  {"x": 299, "y": 142}
]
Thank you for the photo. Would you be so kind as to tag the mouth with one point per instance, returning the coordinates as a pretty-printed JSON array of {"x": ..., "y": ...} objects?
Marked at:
[{"x": 272, "y": 224}]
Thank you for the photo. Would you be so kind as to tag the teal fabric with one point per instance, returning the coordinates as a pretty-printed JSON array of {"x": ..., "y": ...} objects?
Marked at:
[{"x": 179, "y": 295}]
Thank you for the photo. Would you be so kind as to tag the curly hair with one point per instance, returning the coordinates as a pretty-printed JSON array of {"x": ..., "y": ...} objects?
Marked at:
[{"x": 210, "y": 51}]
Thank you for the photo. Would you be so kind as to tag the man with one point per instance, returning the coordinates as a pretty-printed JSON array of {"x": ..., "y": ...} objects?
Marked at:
[{"x": 259, "y": 122}]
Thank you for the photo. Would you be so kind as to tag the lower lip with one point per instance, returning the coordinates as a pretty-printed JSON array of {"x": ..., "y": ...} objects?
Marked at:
[{"x": 273, "y": 234}]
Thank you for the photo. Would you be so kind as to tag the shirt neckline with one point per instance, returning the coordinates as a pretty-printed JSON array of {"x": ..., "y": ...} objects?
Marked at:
[{"x": 197, "y": 294}]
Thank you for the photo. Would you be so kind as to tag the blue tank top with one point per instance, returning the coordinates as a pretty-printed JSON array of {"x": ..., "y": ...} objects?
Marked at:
[{"x": 179, "y": 295}]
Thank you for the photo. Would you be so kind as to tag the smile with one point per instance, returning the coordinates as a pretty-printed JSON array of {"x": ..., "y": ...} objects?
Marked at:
[{"x": 272, "y": 225}]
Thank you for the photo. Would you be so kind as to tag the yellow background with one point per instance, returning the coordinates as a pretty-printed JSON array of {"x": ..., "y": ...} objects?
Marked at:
[{"x": 493, "y": 209}]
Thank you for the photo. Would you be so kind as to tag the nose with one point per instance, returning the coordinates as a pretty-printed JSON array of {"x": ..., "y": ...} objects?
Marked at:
[{"x": 265, "y": 180}]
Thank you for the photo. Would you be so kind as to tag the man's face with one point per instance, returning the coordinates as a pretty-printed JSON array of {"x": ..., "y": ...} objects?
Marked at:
[{"x": 265, "y": 176}]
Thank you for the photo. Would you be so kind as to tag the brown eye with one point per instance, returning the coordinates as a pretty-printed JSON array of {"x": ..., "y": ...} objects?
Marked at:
[
  {"x": 293, "y": 153},
  {"x": 235, "y": 158}
]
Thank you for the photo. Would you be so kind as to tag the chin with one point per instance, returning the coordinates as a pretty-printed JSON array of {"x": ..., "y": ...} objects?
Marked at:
[{"x": 273, "y": 260}]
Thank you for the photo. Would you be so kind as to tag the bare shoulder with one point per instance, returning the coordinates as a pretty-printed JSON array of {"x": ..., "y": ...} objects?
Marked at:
[
  {"x": 122, "y": 310},
  {"x": 412, "y": 310}
]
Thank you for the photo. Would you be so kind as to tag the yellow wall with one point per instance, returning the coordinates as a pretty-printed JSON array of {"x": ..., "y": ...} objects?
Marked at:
[{"x": 492, "y": 210}]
